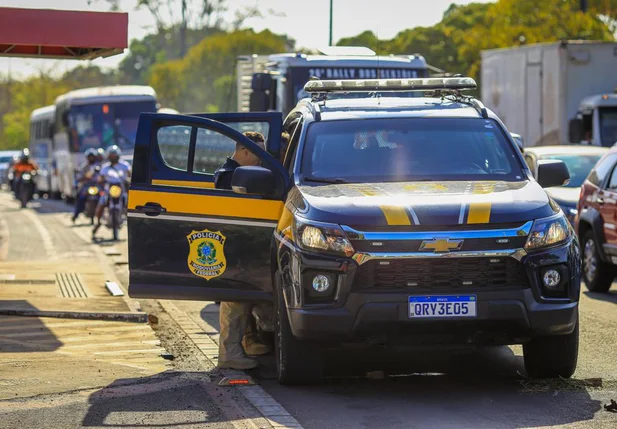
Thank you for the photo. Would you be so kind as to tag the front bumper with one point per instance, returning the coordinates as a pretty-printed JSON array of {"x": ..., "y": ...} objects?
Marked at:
[{"x": 504, "y": 316}]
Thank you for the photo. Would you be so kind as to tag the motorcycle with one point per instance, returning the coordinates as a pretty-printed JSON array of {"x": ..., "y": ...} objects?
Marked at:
[
  {"x": 92, "y": 200},
  {"x": 92, "y": 194},
  {"x": 25, "y": 187},
  {"x": 113, "y": 217}
]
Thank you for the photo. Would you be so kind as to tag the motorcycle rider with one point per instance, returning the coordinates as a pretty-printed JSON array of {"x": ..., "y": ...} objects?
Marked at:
[
  {"x": 86, "y": 173},
  {"x": 114, "y": 171},
  {"x": 24, "y": 165},
  {"x": 100, "y": 156}
]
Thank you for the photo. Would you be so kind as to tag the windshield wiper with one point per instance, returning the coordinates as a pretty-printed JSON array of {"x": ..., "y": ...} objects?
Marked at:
[{"x": 319, "y": 180}]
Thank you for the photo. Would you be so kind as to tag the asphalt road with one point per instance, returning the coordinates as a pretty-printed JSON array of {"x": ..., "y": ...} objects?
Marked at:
[{"x": 471, "y": 389}]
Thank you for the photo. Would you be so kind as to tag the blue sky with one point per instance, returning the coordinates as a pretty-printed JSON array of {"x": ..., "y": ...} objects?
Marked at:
[{"x": 305, "y": 21}]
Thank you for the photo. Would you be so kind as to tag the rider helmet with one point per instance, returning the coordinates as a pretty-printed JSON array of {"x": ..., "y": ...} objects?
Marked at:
[
  {"x": 100, "y": 154},
  {"x": 91, "y": 153},
  {"x": 113, "y": 153},
  {"x": 25, "y": 155}
]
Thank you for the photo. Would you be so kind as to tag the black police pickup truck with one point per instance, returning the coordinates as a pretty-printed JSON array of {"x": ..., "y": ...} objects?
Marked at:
[{"x": 392, "y": 219}]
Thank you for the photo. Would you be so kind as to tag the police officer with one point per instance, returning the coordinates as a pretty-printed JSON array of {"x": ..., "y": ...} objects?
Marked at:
[
  {"x": 238, "y": 337},
  {"x": 86, "y": 172}
]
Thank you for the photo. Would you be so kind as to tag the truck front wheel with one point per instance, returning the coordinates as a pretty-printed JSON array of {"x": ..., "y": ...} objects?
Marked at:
[
  {"x": 552, "y": 356},
  {"x": 297, "y": 362}
]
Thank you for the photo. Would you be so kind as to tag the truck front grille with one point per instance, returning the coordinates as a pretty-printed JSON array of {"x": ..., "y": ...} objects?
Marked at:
[{"x": 431, "y": 274}]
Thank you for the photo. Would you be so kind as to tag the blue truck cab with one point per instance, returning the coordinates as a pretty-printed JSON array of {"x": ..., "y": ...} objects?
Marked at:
[{"x": 388, "y": 221}]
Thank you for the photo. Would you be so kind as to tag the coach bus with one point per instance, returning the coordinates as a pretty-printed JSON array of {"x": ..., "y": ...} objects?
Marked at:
[
  {"x": 41, "y": 150},
  {"x": 93, "y": 118}
]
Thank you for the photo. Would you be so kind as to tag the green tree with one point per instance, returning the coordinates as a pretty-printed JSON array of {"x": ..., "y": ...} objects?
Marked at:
[{"x": 193, "y": 84}]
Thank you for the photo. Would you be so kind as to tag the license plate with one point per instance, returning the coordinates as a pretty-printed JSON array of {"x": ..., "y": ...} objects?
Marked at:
[{"x": 436, "y": 306}]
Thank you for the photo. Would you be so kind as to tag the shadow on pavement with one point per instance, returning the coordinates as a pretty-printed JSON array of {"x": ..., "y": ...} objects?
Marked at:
[
  {"x": 465, "y": 389},
  {"x": 20, "y": 334},
  {"x": 173, "y": 399},
  {"x": 610, "y": 296}
]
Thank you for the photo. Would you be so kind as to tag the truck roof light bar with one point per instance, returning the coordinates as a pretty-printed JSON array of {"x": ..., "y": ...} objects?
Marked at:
[{"x": 398, "y": 85}]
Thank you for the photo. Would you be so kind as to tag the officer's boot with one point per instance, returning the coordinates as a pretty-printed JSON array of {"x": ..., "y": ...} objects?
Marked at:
[
  {"x": 251, "y": 342},
  {"x": 233, "y": 318}
]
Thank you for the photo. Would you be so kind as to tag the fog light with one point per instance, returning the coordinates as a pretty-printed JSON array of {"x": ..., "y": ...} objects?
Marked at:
[
  {"x": 321, "y": 283},
  {"x": 551, "y": 279}
]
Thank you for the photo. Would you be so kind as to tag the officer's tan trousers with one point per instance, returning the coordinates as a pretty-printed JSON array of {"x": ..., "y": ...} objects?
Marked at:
[{"x": 233, "y": 318}]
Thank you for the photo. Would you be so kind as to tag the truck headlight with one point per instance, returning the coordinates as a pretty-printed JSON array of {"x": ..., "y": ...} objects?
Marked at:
[
  {"x": 324, "y": 237},
  {"x": 548, "y": 232}
]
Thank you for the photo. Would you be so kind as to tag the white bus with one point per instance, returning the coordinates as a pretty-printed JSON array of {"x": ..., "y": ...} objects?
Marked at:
[
  {"x": 93, "y": 118},
  {"x": 41, "y": 150}
]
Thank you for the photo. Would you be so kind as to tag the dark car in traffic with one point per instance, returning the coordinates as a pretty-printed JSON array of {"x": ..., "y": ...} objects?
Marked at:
[{"x": 580, "y": 159}]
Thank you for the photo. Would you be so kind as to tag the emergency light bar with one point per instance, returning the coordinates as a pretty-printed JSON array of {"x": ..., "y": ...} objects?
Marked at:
[{"x": 370, "y": 85}]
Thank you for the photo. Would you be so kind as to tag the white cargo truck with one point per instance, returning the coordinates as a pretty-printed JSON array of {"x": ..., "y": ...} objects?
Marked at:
[{"x": 554, "y": 93}]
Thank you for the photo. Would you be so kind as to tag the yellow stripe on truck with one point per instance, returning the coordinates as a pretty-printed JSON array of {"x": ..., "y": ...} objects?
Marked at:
[
  {"x": 395, "y": 215},
  {"x": 480, "y": 212},
  {"x": 209, "y": 205},
  {"x": 183, "y": 184}
]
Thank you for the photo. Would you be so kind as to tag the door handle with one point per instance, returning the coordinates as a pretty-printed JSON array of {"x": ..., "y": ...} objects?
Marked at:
[{"x": 151, "y": 209}]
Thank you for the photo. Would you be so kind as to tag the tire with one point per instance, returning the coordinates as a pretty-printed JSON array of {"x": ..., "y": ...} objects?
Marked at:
[
  {"x": 297, "y": 362},
  {"x": 115, "y": 222},
  {"x": 598, "y": 275},
  {"x": 23, "y": 196},
  {"x": 552, "y": 356}
]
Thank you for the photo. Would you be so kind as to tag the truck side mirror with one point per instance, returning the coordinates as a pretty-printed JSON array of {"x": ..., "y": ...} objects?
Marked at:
[
  {"x": 259, "y": 101},
  {"x": 261, "y": 82},
  {"x": 254, "y": 180},
  {"x": 552, "y": 173},
  {"x": 575, "y": 130}
]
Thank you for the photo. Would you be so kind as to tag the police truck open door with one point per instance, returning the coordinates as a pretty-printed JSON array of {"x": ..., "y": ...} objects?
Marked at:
[{"x": 188, "y": 240}]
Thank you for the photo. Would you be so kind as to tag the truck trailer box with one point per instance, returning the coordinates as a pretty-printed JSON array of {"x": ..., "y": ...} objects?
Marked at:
[{"x": 538, "y": 89}]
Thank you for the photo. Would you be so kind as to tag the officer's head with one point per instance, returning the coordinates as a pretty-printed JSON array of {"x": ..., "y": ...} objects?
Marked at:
[
  {"x": 113, "y": 154},
  {"x": 100, "y": 154},
  {"x": 245, "y": 157},
  {"x": 25, "y": 155},
  {"x": 91, "y": 155}
]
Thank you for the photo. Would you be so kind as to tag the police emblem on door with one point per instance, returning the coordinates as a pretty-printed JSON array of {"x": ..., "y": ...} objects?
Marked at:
[{"x": 207, "y": 253}]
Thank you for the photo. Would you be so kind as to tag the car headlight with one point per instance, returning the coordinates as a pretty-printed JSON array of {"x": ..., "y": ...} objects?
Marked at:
[
  {"x": 548, "y": 232},
  {"x": 322, "y": 237}
]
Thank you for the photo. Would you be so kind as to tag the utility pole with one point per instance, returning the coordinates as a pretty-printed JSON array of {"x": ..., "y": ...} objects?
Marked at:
[
  {"x": 584, "y": 6},
  {"x": 331, "y": 6}
]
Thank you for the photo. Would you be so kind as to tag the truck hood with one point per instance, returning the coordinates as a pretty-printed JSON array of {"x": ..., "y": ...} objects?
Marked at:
[{"x": 370, "y": 205}]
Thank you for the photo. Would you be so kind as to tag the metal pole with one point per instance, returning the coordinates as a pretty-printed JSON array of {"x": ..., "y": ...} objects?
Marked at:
[{"x": 331, "y": 1}]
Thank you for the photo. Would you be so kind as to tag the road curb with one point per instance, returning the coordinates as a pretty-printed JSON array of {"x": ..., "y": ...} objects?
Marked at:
[
  {"x": 267, "y": 406},
  {"x": 132, "y": 317}
]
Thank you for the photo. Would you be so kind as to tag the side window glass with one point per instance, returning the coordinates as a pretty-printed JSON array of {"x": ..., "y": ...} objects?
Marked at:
[
  {"x": 612, "y": 183},
  {"x": 293, "y": 147},
  {"x": 173, "y": 142},
  {"x": 211, "y": 151},
  {"x": 599, "y": 173}
]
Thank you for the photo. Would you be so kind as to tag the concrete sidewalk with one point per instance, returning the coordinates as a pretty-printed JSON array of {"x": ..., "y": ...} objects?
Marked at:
[{"x": 56, "y": 287}]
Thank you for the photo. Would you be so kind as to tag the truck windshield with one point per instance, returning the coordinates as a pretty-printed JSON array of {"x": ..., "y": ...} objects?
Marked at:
[
  {"x": 408, "y": 149},
  {"x": 608, "y": 126},
  {"x": 106, "y": 124}
]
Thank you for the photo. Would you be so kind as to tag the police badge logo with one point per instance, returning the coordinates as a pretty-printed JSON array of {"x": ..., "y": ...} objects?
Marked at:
[{"x": 206, "y": 253}]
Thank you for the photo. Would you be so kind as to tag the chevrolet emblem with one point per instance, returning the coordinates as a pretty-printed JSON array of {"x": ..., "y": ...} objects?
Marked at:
[{"x": 442, "y": 245}]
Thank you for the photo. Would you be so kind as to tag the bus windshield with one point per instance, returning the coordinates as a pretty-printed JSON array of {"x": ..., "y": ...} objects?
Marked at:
[{"x": 106, "y": 124}]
